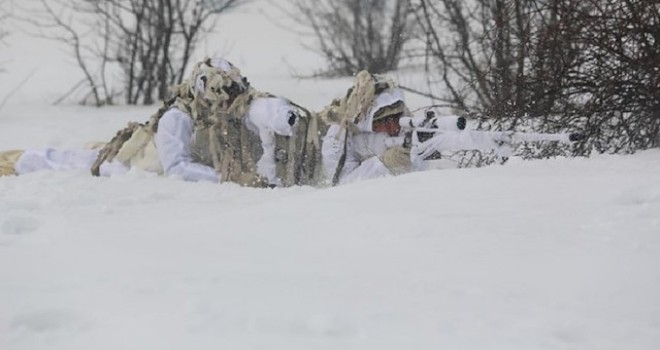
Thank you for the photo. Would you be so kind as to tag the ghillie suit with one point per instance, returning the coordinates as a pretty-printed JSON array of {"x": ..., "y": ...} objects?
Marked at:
[
  {"x": 369, "y": 99},
  {"x": 352, "y": 111},
  {"x": 218, "y": 98}
]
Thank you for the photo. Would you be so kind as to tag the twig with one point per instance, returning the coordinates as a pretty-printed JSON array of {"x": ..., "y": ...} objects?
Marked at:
[
  {"x": 433, "y": 106},
  {"x": 20, "y": 85},
  {"x": 68, "y": 93},
  {"x": 421, "y": 93}
]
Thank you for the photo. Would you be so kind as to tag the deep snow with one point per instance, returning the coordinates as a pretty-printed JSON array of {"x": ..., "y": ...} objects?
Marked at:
[
  {"x": 558, "y": 254},
  {"x": 551, "y": 254}
]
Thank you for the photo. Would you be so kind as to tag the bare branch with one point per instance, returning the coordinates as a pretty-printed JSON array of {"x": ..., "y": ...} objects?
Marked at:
[
  {"x": 357, "y": 34},
  {"x": 149, "y": 41}
]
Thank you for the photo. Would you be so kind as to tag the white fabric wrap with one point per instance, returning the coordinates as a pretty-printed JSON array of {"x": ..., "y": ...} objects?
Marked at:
[
  {"x": 384, "y": 99},
  {"x": 362, "y": 154},
  {"x": 266, "y": 117},
  {"x": 173, "y": 141},
  {"x": 64, "y": 160},
  {"x": 53, "y": 159}
]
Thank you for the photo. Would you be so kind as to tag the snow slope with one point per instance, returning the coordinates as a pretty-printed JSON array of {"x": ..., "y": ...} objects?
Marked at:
[
  {"x": 558, "y": 254},
  {"x": 553, "y": 254}
]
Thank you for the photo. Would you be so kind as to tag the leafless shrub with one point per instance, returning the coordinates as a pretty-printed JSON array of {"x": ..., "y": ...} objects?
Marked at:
[
  {"x": 151, "y": 41},
  {"x": 357, "y": 34},
  {"x": 499, "y": 58},
  {"x": 4, "y": 15},
  {"x": 549, "y": 65},
  {"x": 619, "y": 80},
  {"x": 58, "y": 20}
]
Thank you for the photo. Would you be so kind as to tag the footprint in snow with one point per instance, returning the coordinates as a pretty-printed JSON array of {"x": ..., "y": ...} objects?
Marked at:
[
  {"x": 19, "y": 225},
  {"x": 47, "y": 321}
]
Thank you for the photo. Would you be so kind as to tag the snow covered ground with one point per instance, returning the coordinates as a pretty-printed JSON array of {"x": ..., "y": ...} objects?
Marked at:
[
  {"x": 553, "y": 254},
  {"x": 559, "y": 254}
]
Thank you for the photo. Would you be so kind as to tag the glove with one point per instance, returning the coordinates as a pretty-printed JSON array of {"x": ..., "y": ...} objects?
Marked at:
[{"x": 397, "y": 160}]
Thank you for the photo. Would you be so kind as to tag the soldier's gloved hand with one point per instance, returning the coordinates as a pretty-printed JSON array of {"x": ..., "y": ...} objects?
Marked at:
[{"x": 397, "y": 160}]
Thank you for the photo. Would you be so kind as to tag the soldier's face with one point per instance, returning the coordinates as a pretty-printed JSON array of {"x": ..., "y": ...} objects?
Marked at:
[{"x": 389, "y": 125}]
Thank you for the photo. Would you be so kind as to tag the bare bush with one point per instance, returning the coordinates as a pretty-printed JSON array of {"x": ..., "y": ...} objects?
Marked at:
[
  {"x": 550, "y": 65},
  {"x": 500, "y": 58},
  {"x": 151, "y": 41},
  {"x": 4, "y": 15},
  {"x": 357, "y": 34},
  {"x": 619, "y": 82},
  {"x": 58, "y": 20}
]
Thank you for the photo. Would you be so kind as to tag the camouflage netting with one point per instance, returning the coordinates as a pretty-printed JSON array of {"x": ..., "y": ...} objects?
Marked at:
[{"x": 353, "y": 108}]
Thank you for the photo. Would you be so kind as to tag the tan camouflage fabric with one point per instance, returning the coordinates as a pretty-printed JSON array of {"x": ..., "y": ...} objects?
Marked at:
[
  {"x": 398, "y": 108},
  {"x": 207, "y": 101},
  {"x": 353, "y": 108},
  {"x": 220, "y": 138},
  {"x": 397, "y": 160},
  {"x": 94, "y": 145},
  {"x": 8, "y": 161},
  {"x": 140, "y": 151},
  {"x": 110, "y": 150},
  {"x": 204, "y": 99},
  {"x": 360, "y": 99},
  {"x": 299, "y": 156}
]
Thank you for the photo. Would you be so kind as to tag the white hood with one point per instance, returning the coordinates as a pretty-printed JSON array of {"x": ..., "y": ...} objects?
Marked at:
[{"x": 384, "y": 99}]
